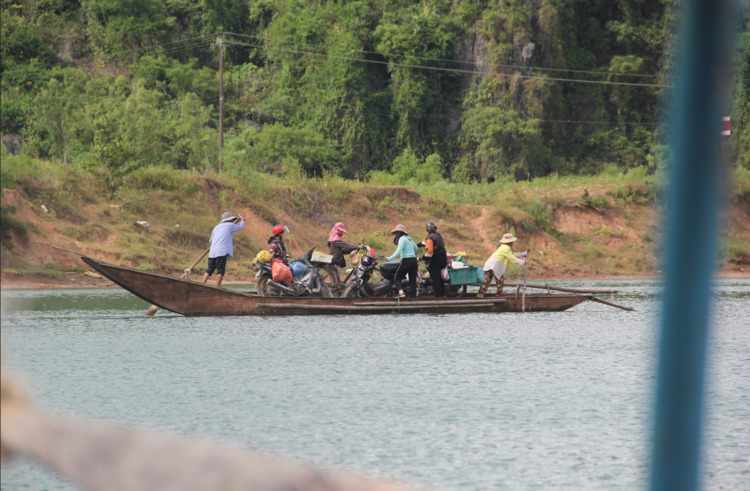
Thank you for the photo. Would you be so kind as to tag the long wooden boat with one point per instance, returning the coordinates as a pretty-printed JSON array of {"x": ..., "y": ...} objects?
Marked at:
[{"x": 196, "y": 299}]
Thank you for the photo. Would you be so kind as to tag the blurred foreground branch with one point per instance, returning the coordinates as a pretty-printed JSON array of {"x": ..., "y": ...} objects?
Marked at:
[{"x": 103, "y": 457}]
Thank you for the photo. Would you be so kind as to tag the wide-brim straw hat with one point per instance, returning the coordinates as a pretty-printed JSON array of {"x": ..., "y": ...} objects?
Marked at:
[
  {"x": 507, "y": 239},
  {"x": 399, "y": 228},
  {"x": 227, "y": 217}
]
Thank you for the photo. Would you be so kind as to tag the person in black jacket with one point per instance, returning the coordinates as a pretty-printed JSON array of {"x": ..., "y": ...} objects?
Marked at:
[{"x": 435, "y": 257}]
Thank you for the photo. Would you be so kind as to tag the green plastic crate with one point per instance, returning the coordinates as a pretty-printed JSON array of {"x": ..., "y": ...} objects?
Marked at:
[{"x": 463, "y": 276}]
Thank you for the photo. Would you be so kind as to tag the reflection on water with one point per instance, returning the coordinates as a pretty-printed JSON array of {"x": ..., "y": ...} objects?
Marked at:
[{"x": 464, "y": 402}]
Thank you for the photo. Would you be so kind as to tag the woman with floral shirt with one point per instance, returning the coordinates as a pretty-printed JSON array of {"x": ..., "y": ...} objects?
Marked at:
[
  {"x": 337, "y": 248},
  {"x": 276, "y": 244}
]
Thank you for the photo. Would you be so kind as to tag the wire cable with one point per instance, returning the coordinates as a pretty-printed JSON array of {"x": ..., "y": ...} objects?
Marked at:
[
  {"x": 455, "y": 70},
  {"x": 518, "y": 67},
  {"x": 177, "y": 49},
  {"x": 162, "y": 45},
  {"x": 546, "y": 121}
]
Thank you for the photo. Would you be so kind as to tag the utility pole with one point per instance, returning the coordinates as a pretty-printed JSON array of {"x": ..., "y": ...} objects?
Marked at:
[{"x": 221, "y": 99}]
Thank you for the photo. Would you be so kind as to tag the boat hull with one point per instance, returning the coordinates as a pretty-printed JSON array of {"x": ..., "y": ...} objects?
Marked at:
[{"x": 196, "y": 299}]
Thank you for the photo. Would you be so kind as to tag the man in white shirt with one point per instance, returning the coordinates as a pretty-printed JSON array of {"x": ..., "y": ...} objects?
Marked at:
[{"x": 222, "y": 245}]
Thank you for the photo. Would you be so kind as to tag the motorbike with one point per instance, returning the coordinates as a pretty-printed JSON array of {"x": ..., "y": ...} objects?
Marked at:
[
  {"x": 306, "y": 279},
  {"x": 358, "y": 281},
  {"x": 450, "y": 291}
]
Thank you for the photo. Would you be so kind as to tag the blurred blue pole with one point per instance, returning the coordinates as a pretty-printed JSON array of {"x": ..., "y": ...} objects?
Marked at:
[{"x": 691, "y": 241}]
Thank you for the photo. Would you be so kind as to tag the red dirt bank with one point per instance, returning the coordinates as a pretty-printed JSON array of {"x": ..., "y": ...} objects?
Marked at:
[{"x": 593, "y": 244}]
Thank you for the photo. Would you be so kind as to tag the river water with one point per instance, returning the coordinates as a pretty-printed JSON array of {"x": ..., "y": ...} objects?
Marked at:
[{"x": 454, "y": 402}]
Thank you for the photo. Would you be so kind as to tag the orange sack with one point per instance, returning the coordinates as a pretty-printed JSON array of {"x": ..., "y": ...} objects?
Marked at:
[{"x": 281, "y": 273}]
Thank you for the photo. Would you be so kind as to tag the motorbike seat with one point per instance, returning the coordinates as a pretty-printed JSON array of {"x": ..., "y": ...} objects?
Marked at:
[{"x": 390, "y": 268}]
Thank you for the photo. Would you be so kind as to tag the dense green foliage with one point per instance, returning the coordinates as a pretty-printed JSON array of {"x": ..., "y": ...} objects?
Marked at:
[{"x": 396, "y": 91}]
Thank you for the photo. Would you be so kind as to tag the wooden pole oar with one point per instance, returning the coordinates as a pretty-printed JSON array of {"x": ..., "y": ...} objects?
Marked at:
[
  {"x": 563, "y": 289},
  {"x": 525, "y": 275},
  {"x": 631, "y": 309},
  {"x": 185, "y": 276},
  {"x": 59, "y": 248}
]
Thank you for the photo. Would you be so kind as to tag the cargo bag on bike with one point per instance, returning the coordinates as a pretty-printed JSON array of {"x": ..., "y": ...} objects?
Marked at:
[{"x": 281, "y": 273}]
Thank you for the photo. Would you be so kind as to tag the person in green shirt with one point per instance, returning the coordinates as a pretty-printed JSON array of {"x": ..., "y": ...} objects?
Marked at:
[
  {"x": 498, "y": 264},
  {"x": 407, "y": 250}
]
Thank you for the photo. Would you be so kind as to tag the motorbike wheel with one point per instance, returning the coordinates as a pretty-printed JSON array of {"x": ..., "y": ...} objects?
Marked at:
[
  {"x": 349, "y": 292},
  {"x": 455, "y": 291},
  {"x": 324, "y": 291},
  {"x": 266, "y": 290},
  {"x": 325, "y": 273}
]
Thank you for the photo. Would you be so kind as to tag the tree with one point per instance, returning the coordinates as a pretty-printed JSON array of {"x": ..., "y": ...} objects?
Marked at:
[
  {"x": 113, "y": 161},
  {"x": 278, "y": 144}
]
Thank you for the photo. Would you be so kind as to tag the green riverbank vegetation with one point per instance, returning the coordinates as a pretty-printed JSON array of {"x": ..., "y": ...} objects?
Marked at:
[
  {"x": 159, "y": 218},
  {"x": 533, "y": 117}
]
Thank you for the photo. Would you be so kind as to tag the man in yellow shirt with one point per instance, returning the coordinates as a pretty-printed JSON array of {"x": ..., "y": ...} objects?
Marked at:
[{"x": 498, "y": 264}]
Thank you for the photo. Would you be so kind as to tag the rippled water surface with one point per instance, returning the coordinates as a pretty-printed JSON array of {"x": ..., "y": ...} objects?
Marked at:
[{"x": 455, "y": 402}]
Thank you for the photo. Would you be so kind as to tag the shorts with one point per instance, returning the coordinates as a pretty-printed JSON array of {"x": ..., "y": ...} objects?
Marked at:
[{"x": 217, "y": 263}]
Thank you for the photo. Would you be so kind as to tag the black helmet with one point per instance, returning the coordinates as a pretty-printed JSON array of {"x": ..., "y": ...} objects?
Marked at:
[{"x": 431, "y": 227}]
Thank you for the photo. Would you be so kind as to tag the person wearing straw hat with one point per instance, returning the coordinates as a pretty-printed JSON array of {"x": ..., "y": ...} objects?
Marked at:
[
  {"x": 498, "y": 264},
  {"x": 406, "y": 249},
  {"x": 222, "y": 245}
]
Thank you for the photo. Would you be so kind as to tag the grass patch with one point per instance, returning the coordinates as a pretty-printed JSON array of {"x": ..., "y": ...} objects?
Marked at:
[
  {"x": 741, "y": 185},
  {"x": 335, "y": 189},
  {"x": 11, "y": 227},
  {"x": 48, "y": 271},
  {"x": 380, "y": 208},
  {"x": 264, "y": 211},
  {"x": 570, "y": 239},
  {"x": 87, "y": 233},
  {"x": 144, "y": 265},
  {"x": 473, "y": 194},
  {"x": 382, "y": 242},
  {"x": 456, "y": 231},
  {"x": 735, "y": 250},
  {"x": 542, "y": 214},
  {"x": 590, "y": 201},
  {"x": 183, "y": 237},
  {"x": 553, "y": 190},
  {"x": 255, "y": 186},
  {"x": 166, "y": 179},
  {"x": 440, "y": 209}
]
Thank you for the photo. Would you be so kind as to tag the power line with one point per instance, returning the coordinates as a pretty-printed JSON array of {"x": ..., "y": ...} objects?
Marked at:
[
  {"x": 408, "y": 65},
  {"x": 478, "y": 72},
  {"x": 177, "y": 49},
  {"x": 553, "y": 121},
  {"x": 453, "y": 70},
  {"x": 621, "y": 123},
  {"x": 209, "y": 43},
  {"x": 187, "y": 39},
  {"x": 162, "y": 45},
  {"x": 518, "y": 67}
]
